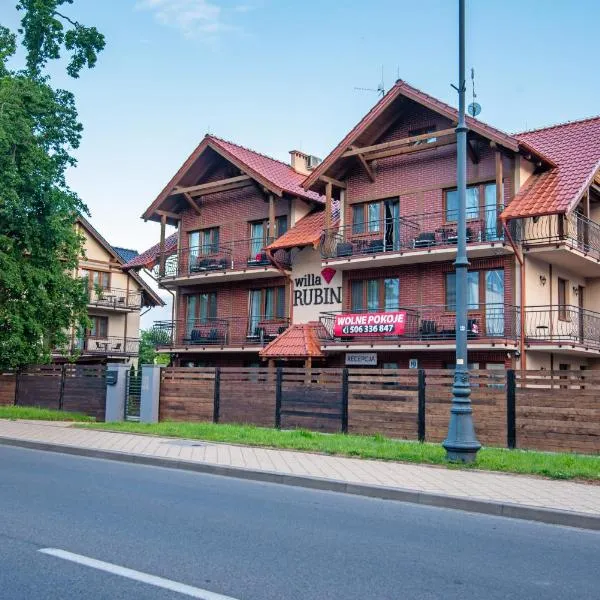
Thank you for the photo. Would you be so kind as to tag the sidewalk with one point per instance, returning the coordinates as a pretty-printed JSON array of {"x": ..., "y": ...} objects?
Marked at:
[{"x": 558, "y": 502}]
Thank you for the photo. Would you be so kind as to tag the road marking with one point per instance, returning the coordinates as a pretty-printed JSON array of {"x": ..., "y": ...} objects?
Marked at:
[{"x": 160, "y": 582}]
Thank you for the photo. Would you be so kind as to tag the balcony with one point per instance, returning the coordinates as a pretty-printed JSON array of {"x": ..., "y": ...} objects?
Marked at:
[
  {"x": 566, "y": 329},
  {"x": 102, "y": 346},
  {"x": 570, "y": 241},
  {"x": 114, "y": 299},
  {"x": 410, "y": 239},
  {"x": 240, "y": 259},
  {"x": 489, "y": 326},
  {"x": 233, "y": 333}
]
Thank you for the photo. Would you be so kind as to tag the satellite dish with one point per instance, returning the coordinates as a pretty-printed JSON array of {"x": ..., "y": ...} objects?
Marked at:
[{"x": 474, "y": 109}]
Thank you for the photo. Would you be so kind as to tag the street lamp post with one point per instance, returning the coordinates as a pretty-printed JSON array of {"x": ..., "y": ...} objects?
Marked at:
[{"x": 461, "y": 443}]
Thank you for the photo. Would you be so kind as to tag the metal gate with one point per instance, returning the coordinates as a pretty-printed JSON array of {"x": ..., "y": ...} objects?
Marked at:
[{"x": 133, "y": 395}]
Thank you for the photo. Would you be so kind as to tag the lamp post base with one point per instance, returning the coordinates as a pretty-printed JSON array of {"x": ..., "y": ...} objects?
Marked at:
[{"x": 461, "y": 443}]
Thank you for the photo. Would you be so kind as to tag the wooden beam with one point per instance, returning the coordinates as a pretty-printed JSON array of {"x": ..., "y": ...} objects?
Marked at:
[
  {"x": 410, "y": 149},
  {"x": 161, "y": 264},
  {"x": 333, "y": 181},
  {"x": 365, "y": 165},
  {"x": 271, "y": 217},
  {"x": 191, "y": 202},
  {"x": 210, "y": 188},
  {"x": 395, "y": 143},
  {"x": 499, "y": 185},
  {"x": 328, "y": 191},
  {"x": 169, "y": 214}
]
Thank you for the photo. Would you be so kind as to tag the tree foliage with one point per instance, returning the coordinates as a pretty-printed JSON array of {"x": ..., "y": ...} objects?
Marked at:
[
  {"x": 149, "y": 339},
  {"x": 41, "y": 297}
]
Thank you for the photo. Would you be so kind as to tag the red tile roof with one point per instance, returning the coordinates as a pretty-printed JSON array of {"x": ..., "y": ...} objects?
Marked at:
[
  {"x": 277, "y": 172},
  {"x": 275, "y": 175},
  {"x": 401, "y": 88},
  {"x": 575, "y": 148},
  {"x": 299, "y": 341},
  {"x": 147, "y": 259},
  {"x": 307, "y": 231}
]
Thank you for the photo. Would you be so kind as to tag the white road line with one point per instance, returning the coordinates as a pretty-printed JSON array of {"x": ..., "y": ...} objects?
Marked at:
[{"x": 160, "y": 582}]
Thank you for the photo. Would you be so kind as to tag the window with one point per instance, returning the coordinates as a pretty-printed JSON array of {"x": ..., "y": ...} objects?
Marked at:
[
  {"x": 267, "y": 304},
  {"x": 472, "y": 204},
  {"x": 201, "y": 307},
  {"x": 281, "y": 225},
  {"x": 258, "y": 237},
  {"x": 375, "y": 295},
  {"x": 204, "y": 241},
  {"x": 96, "y": 279},
  {"x": 472, "y": 290},
  {"x": 562, "y": 299},
  {"x": 99, "y": 326},
  {"x": 366, "y": 217},
  {"x": 421, "y": 131}
]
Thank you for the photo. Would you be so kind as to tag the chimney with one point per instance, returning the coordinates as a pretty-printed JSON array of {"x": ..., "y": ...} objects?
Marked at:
[{"x": 299, "y": 162}]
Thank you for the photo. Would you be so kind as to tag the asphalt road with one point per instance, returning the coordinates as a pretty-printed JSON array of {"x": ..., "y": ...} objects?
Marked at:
[{"x": 258, "y": 541}]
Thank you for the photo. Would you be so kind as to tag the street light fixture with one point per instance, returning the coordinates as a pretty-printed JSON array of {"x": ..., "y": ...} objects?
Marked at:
[{"x": 461, "y": 444}]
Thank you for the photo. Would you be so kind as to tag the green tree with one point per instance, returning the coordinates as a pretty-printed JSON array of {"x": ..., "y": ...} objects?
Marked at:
[
  {"x": 149, "y": 338},
  {"x": 41, "y": 298}
]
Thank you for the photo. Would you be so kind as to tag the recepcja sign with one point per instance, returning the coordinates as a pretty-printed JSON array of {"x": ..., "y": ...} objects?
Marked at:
[{"x": 388, "y": 323}]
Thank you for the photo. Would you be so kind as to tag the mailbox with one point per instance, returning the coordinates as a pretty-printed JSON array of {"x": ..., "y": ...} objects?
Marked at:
[{"x": 112, "y": 377}]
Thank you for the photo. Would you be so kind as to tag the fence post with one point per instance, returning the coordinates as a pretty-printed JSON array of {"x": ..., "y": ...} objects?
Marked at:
[
  {"x": 63, "y": 369},
  {"x": 217, "y": 395},
  {"x": 421, "y": 405},
  {"x": 149, "y": 393},
  {"x": 511, "y": 415},
  {"x": 17, "y": 379},
  {"x": 345, "y": 400},
  {"x": 278, "y": 385}
]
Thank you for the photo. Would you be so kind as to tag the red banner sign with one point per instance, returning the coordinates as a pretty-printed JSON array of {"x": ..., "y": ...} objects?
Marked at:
[{"x": 377, "y": 324}]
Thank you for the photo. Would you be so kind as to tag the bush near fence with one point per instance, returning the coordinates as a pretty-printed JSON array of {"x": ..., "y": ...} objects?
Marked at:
[{"x": 541, "y": 410}]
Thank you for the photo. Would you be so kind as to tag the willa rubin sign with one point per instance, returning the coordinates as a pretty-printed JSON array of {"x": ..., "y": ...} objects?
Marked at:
[{"x": 388, "y": 323}]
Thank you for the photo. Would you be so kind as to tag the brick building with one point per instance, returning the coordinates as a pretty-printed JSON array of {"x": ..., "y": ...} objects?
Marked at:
[{"x": 357, "y": 251}]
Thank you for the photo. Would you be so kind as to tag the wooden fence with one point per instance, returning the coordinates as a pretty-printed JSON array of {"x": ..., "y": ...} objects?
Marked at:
[
  {"x": 73, "y": 388},
  {"x": 543, "y": 410}
]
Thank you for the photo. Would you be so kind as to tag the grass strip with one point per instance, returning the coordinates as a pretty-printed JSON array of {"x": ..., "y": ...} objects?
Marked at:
[
  {"x": 546, "y": 464},
  {"x": 41, "y": 414}
]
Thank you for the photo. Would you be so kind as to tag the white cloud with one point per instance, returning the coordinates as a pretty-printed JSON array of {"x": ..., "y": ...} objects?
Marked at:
[{"x": 192, "y": 17}]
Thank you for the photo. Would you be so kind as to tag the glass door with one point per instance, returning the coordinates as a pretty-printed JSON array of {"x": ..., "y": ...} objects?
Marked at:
[
  {"x": 257, "y": 239},
  {"x": 494, "y": 302},
  {"x": 491, "y": 222},
  {"x": 254, "y": 312},
  {"x": 392, "y": 225}
]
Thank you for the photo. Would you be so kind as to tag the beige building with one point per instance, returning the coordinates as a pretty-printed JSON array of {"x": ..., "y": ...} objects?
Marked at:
[{"x": 116, "y": 300}]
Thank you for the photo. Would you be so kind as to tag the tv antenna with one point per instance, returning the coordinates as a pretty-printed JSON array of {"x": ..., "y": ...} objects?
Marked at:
[
  {"x": 474, "y": 108},
  {"x": 380, "y": 91}
]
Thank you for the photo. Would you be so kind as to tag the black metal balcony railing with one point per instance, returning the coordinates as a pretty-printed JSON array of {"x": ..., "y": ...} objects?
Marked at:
[
  {"x": 235, "y": 255},
  {"x": 408, "y": 233},
  {"x": 115, "y": 298},
  {"x": 435, "y": 322},
  {"x": 576, "y": 230},
  {"x": 104, "y": 345},
  {"x": 232, "y": 331},
  {"x": 557, "y": 324}
]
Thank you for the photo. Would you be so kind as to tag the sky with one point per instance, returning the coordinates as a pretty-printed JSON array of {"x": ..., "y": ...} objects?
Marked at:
[{"x": 275, "y": 75}]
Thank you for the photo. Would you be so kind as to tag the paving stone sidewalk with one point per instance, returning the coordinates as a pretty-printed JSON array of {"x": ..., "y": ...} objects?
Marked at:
[{"x": 467, "y": 485}]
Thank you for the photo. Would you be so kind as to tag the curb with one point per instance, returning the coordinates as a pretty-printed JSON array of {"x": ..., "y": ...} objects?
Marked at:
[{"x": 498, "y": 509}]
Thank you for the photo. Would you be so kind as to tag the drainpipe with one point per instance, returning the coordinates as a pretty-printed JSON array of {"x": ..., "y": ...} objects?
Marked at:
[{"x": 522, "y": 298}]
